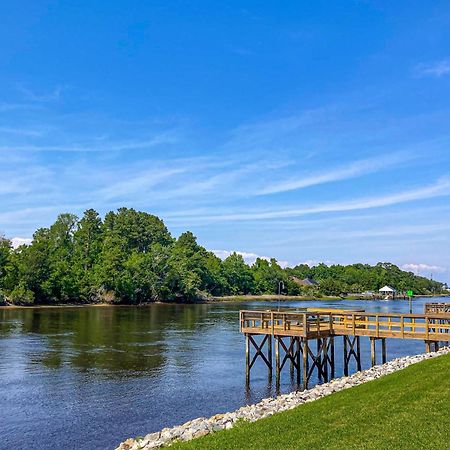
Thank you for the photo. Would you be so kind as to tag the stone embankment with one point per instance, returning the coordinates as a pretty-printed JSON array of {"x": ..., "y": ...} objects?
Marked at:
[{"x": 269, "y": 406}]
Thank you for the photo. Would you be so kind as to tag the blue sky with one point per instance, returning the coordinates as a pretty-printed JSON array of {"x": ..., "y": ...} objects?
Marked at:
[{"x": 306, "y": 131}]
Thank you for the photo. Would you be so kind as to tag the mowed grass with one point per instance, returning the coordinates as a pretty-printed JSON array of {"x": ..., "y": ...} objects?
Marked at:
[{"x": 409, "y": 409}]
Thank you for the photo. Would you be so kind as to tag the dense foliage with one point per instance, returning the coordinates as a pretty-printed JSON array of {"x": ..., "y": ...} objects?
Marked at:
[{"x": 130, "y": 257}]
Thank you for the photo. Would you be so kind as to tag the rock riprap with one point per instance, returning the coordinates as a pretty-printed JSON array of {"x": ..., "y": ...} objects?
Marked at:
[{"x": 269, "y": 406}]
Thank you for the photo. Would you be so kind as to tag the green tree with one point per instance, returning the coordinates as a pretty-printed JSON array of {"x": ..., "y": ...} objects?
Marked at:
[
  {"x": 238, "y": 275},
  {"x": 5, "y": 252}
]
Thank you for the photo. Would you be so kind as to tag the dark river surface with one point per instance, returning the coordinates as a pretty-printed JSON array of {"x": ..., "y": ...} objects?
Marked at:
[{"x": 90, "y": 377}]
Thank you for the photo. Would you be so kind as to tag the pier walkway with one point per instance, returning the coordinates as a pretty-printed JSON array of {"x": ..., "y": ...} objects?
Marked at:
[{"x": 293, "y": 331}]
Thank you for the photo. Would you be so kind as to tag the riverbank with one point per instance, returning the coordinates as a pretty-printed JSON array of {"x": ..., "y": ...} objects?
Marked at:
[
  {"x": 410, "y": 399},
  {"x": 299, "y": 298},
  {"x": 271, "y": 298},
  {"x": 223, "y": 299}
]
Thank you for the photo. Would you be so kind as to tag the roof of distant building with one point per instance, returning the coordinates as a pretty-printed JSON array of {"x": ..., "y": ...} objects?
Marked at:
[
  {"x": 387, "y": 289},
  {"x": 305, "y": 281}
]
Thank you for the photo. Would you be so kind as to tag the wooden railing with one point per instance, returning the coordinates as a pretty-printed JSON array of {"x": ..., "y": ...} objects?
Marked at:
[
  {"x": 437, "y": 308},
  {"x": 310, "y": 324}
]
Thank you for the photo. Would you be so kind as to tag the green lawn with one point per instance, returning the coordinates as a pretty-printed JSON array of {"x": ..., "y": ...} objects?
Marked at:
[{"x": 409, "y": 409}]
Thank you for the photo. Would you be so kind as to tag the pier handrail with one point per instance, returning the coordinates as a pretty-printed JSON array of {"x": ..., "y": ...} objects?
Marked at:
[{"x": 375, "y": 324}]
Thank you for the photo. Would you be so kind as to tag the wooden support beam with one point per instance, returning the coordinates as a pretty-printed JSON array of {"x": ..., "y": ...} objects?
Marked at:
[
  {"x": 383, "y": 351},
  {"x": 247, "y": 358},
  {"x": 325, "y": 359},
  {"x": 331, "y": 353},
  {"x": 358, "y": 353},
  {"x": 351, "y": 348},
  {"x": 269, "y": 353},
  {"x": 259, "y": 352},
  {"x": 318, "y": 359},
  {"x": 346, "y": 358},
  {"x": 277, "y": 358},
  {"x": 373, "y": 351},
  {"x": 305, "y": 363}
]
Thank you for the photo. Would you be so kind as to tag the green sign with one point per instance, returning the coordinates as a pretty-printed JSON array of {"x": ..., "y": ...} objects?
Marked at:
[{"x": 410, "y": 293}]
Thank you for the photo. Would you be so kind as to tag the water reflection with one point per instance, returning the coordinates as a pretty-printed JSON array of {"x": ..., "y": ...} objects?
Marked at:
[{"x": 106, "y": 339}]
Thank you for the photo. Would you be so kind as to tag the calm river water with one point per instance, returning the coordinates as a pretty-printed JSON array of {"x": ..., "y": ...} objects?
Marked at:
[{"x": 90, "y": 377}]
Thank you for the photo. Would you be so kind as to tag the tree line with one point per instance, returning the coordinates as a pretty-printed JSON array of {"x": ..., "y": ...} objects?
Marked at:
[{"x": 130, "y": 257}]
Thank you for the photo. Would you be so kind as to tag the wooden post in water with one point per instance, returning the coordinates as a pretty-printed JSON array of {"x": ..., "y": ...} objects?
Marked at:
[
  {"x": 358, "y": 354},
  {"x": 305, "y": 363},
  {"x": 291, "y": 349},
  {"x": 345, "y": 356},
  {"x": 277, "y": 358},
  {"x": 298, "y": 360},
  {"x": 372, "y": 351},
  {"x": 269, "y": 354},
  {"x": 332, "y": 357},
  {"x": 319, "y": 359},
  {"x": 247, "y": 358},
  {"x": 325, "y": 359},
  {"x": 383, "y": 350}
]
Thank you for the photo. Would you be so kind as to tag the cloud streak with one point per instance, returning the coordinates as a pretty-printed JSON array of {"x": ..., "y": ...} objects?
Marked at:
[
  {"x": 248, "y": 257},
  {"x": 438, "y": 189},
  {"x": 435, "y": 69},
  {"x": 420, "y": 267},
  {"x": 353, "y": 170}
]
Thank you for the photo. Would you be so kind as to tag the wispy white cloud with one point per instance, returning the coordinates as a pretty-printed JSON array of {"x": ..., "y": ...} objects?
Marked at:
[
  {"x": 438, "y": 189},
  {"x": 18, "y": 106},
  {"x": 97, "y": 146},
  {"x": 315, "y": 262},
  {"x": 30, "y": 95},
  {"x": 434, "y": 69},
  {"x": 351, "y": 170},
  {"x": 420, "y": 268},
  {"x": 248, "y": 257},
  {"x": 138, "y": 183},
  {"x": 18, "y": 241},
  {"x": 23, "y": 181},
  {"x": 21, "y": 131}
]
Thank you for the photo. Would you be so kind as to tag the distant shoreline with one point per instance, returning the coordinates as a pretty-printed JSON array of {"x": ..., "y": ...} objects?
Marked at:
[{"x": 215, "y": 300}]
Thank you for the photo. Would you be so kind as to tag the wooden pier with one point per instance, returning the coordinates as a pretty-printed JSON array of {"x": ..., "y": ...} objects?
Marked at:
[
  {"x": 294, "y": 333},
  {"x": 437, "y": 308}
]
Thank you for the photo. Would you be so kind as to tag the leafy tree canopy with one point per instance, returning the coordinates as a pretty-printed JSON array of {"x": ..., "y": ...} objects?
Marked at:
[{"x": 130, "y": 257}]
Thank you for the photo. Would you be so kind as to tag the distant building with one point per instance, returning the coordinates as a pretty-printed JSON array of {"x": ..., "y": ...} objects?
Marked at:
[
  {"x": 387, "y": 291},
  {"x": 305, "y": 281}
]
